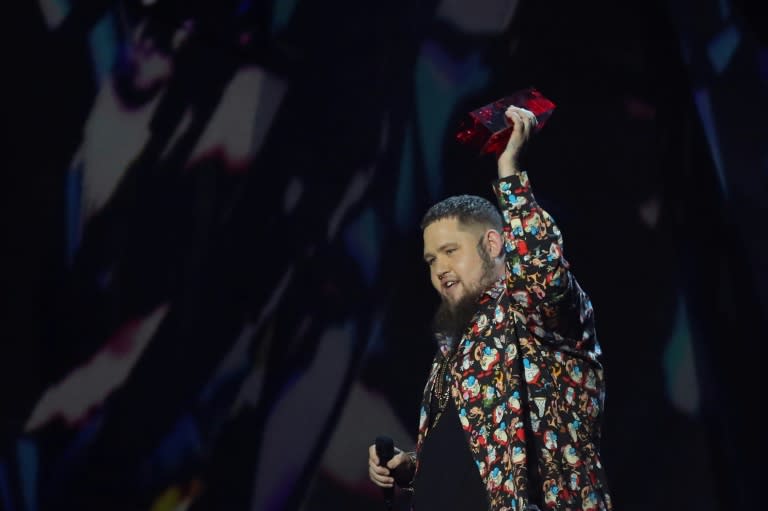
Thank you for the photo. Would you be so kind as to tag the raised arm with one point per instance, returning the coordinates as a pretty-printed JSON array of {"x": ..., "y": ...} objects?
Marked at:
[{"x": 538, "y": 275}]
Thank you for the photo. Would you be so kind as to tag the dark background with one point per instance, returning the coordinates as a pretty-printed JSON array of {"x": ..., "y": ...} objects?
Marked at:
[{"x": 213, "y": 294}]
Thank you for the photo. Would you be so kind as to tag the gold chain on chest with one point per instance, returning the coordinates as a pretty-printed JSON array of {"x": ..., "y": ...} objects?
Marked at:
[{"x": 442, "y": 387}]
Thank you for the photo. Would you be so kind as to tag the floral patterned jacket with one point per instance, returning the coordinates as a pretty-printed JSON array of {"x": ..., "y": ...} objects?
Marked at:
[{"x": 537, "y": 325}]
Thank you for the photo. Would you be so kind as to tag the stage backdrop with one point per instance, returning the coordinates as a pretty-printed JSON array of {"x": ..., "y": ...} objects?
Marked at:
[{"x": 213, "y": 290}]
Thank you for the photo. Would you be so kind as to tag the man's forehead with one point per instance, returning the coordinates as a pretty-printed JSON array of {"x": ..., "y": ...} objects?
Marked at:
[{"x": 447, "y": 230}]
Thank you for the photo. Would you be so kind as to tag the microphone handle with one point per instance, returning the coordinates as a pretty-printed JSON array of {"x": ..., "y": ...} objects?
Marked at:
[{"x": 385, "y": 451}]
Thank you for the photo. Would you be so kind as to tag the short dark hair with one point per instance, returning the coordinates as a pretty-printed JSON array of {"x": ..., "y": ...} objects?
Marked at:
[{"x": 467, "y": 209}]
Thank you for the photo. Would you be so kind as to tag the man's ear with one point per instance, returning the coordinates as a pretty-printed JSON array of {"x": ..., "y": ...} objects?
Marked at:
[{"x": 495, "y": 243}]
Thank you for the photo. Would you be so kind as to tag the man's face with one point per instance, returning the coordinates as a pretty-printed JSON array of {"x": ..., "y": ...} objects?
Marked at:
[{"x": 456, "y": 268}]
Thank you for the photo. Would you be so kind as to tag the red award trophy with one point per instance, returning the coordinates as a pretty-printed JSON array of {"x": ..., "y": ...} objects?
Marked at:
[{"x": 488, "y": 128}]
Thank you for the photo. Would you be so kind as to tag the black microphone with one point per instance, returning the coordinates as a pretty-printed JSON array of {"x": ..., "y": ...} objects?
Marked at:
[{"x": 385, "y": 450}]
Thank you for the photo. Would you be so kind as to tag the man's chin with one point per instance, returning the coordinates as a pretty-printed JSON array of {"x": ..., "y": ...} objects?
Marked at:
[
  {"x": 453, "y": 315},
  {"x": 454, "y": 300}
]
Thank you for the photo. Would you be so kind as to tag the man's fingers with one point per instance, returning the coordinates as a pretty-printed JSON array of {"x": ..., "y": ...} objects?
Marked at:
[
  {"x": 523, "y": 112},
  {"x": 397, "y": 460},
  {"x": 530, "y": 120},
  {"x": 372, "y": 454},
  {"x": 379, "y": 475},
  {"x": 375, "y": 467},
  {"x": 523, "y": 119},
  {"x": 519, "y": 129}
]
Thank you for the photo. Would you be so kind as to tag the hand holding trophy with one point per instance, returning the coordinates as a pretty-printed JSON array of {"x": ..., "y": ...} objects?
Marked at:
[{"x": 488, "y": 128}]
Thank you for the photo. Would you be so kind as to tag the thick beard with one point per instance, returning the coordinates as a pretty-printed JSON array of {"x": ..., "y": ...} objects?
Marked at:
[{"x": 452, "y": 320}]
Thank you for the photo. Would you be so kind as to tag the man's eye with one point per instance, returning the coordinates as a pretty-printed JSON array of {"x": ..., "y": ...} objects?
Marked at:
[
  {"x": 429, "y": 262},
  {"x": 450, "y": 251}
]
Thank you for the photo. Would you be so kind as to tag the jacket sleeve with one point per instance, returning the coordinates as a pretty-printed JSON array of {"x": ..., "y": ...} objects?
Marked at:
[{"x": 539, "y": 279}]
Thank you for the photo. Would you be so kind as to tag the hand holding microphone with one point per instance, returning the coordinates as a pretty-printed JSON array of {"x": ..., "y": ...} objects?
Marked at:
[
  {"x": 384, "y": 459},
  {"x": 385, "y": 450}
]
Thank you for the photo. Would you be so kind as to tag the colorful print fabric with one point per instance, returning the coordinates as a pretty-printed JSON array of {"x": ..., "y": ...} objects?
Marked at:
[{"x": 532, "y": 341}]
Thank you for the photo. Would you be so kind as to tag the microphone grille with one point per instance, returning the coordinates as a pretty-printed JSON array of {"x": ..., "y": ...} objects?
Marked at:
[{"x": 385, "y": 447}]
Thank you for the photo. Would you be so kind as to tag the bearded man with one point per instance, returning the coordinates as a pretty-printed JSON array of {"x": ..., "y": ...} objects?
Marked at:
[{"x": 510, "y": 418}]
